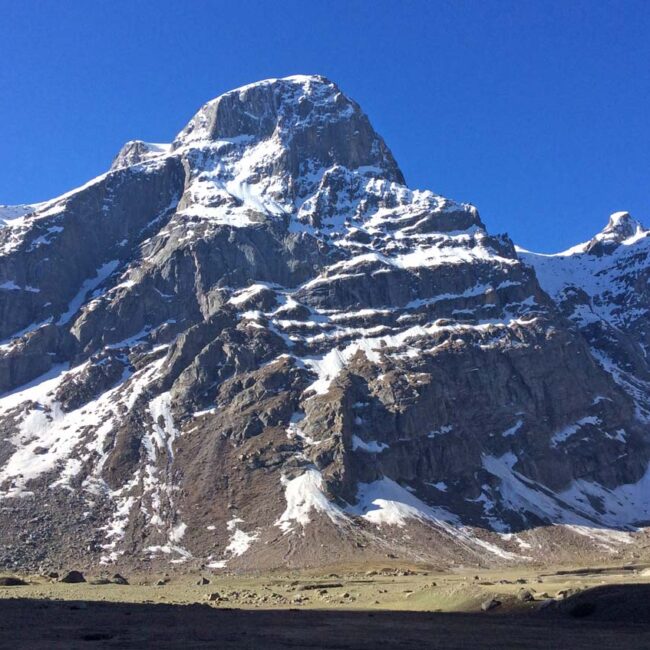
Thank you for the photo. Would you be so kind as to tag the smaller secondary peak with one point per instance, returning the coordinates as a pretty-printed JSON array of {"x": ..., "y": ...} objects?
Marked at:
[
  {"x": 621, "y": 228},
  {"x": 137, "y": 151},
  {"x": 622, "y": 225}
]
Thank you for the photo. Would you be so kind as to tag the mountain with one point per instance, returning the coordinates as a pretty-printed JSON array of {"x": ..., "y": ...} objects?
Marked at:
[
  {"x": 602, "y": 287},
  {"x": 256, "y": 346}
]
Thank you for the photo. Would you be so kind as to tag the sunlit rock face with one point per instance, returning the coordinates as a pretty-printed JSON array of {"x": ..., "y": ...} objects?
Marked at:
[{"x": 257, "y": 346}]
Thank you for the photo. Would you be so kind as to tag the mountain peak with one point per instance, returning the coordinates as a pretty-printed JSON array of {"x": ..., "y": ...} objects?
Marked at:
[
  {"x": 621, "y": 225},
  {"x": 257, "y": 108},
  {"x": 259, "y": 329},
  {"x": 306, "y": 117},
  {"x": 621, "y": 228},
  {"x": 137, "y": 151}
]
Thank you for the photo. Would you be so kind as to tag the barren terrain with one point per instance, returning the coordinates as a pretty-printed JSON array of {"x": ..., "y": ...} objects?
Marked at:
[{"x": 394, "y": 606}]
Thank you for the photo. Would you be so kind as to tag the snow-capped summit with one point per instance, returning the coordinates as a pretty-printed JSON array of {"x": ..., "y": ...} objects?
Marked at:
[
  {"x": 620, "y": 229},
  {"x": 307, "y": 119},
  {"x": 273, "y": 149},
  {"x": 621, "y": 225},
  {"x": 256, "y": 110}
]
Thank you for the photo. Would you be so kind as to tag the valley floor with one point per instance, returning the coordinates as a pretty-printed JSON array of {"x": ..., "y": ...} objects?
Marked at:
[{"x": 343, "y": 608}]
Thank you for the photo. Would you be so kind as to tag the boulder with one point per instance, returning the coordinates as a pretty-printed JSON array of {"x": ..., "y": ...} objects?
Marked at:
[
  {"x": 73, "y": 577},
  {"x": 525, "y": 596},
  {"x": 11, "y": 581},
  {"x": 488, "y": 605},
  {"x": 118, "y": 579}
]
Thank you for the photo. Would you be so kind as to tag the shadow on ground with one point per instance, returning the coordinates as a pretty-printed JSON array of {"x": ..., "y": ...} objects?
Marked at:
[{"x": 614, "y": 616}]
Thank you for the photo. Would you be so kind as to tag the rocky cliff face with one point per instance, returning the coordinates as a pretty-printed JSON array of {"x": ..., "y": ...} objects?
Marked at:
[
  {"x": 257, "y": 346},
  {"x": 601, "y": 286}
]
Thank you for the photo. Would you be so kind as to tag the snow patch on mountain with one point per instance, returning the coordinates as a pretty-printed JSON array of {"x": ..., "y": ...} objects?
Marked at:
[
  {"x": 303, "y": 495},
  {"x": 600, "y": 274},
  {"x": 385, "y": 502}
]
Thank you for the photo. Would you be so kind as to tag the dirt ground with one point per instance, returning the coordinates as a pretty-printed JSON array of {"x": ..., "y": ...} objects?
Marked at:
[
  {"x": 344, "y": 608},
  {"x": 32, "y": 625}
]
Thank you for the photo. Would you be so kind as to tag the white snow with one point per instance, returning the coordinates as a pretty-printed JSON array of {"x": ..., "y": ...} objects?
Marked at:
[
  {"x": 564, "y": 434},
  {"x": 441, "y": 431},
  {"x": 328, "y": 366},
  {"x": 303, "y": 495},
  {"x": 217, "y": 564},
  {"x": 147, "y": 151},
  {"x": 608, "y": 539},
  {"x": 521, "y": 494},
  {"x": 46, "y": 435},
  {"x": 240, "y": 541},
  {"x": 370, "y": 446},
  {"x": 169, "y": 549},
  {"x": 603, "y": 278},
  {"x": 385, "y": 502},
  {"x": 164, "y": 429},
  {"x": 623, "y": 508},
  {"x": 10, "y": 212},
  {"x": 294, "y": 429},
  {"x": 88, "y": 285},
  {"x": 178, "y": 532},
  {"x": 229, "y": 185},
  {"x": 50, "y": 439},
  {"x": 245, "y": 294},
  {"x": 513, "y": 429}
]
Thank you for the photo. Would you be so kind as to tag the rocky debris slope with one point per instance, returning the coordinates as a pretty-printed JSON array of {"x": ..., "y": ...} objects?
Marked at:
[{"x": 257, "y": 346}]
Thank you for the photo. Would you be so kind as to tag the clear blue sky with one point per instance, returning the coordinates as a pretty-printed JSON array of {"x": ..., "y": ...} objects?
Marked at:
[{"x": 537, "y": 112}]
